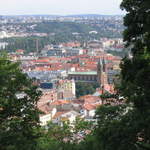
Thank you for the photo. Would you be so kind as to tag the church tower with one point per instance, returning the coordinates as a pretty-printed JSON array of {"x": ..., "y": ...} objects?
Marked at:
[{"x": 101, "y": 73}]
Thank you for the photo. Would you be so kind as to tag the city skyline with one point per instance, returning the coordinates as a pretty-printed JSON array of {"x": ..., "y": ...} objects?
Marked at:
[{"x": 63, "y": 7}]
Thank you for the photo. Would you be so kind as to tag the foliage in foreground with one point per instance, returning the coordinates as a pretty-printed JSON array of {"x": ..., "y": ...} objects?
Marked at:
[
  {"x": 126, "y": 127},
  {"x": 18, "y": 112}
]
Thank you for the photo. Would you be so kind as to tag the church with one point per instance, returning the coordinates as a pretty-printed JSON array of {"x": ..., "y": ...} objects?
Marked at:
[{"x": 99, "y": 76}]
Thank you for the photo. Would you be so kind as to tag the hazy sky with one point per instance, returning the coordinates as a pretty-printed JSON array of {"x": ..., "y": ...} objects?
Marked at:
[{"x": 61, "y": 7}]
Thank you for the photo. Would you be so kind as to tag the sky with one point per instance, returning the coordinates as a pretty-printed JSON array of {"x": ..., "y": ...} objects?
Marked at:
[{"x": 60, "y": 7}]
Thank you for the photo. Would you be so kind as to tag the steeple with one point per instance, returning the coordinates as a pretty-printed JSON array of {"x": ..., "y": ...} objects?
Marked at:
[
  {"x": 104, "y": 65},
  {"x": 101, "y": 72}
]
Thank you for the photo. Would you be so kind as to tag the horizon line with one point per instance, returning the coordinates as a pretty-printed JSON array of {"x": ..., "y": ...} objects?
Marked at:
[{"x": 63, "y": 15}]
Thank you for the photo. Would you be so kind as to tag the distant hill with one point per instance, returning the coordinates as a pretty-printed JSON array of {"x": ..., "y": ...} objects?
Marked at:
[
  {"x": 105, "y": 28},
  {"x": 64, "y": 31},
  {"x": 65, "y": 27},
  {"x": 92, "y": 15},
  {"x": 74, "y": 15}
]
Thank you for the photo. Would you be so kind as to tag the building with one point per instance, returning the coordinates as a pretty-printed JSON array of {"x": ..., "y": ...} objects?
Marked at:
[
  {"x": 102, "y": 72},
  {"x": 89, "y": 110},
  {"x": 47, "y": 115},
  {"x": 94, "y": 44},
  {"x": 90, "y": 76},
  {"x": 66, "y": 89},
  {"x": 62, "y": 116},
  {"x": 68, "y": 85},
  {"x": 48, "y": 96},
  {"x": 46, "y": 76}
]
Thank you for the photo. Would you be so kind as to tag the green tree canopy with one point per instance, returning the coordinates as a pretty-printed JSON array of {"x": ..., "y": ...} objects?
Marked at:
[
  {"x": 135, "y": 74},
  {"x": 126, "y": 126},
  {"x": 19, "y": 116}
]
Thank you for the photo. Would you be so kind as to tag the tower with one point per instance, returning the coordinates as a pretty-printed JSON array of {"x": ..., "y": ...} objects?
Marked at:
[
  {"x": 101, "y": 73},
  {"x": 37, "y": 46}
]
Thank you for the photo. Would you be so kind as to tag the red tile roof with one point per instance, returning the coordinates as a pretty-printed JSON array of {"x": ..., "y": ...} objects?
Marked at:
[{"x": 89, "y": 107}]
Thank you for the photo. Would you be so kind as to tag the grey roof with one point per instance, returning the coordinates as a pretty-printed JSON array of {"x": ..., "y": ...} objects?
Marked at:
[{"x": 83, "y": 73}]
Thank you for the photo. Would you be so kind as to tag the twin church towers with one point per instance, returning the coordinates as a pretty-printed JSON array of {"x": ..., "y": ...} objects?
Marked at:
[{"x": 102, "y": 73}]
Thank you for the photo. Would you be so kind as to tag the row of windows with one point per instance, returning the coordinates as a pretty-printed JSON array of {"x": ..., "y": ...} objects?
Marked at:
[{"x": 84, "y": 78}]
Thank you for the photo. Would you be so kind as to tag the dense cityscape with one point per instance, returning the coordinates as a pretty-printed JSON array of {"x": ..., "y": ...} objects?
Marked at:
[{"x": 62, "y": 70}]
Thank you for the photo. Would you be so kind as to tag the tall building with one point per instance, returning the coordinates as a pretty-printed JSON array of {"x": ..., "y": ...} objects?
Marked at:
[
  {"x": 102, "y": 73},
  {"x": 66, "y": 89}
]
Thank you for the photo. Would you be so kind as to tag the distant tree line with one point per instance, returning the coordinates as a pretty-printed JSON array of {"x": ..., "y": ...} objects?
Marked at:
[{"x": 123, "y": 53}]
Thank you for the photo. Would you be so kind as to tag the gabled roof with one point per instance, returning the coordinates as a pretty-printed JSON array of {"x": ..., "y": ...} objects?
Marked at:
[
  {"x": 89, "y": 107},
  {"x": 60, "y": 102}
]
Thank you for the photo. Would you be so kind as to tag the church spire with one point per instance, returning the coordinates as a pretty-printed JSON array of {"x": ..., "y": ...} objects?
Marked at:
[{"x": 101, "y": 72}]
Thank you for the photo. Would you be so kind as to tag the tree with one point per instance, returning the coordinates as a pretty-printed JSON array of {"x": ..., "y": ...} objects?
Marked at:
[
  {"x": 116, "y": 128},
  {"x": 55, "y": 136},
  {"x": 19, "y": 116},
  {"x": 85, "y": 88},
  {"x": 126, "y": 126},
  {"x": 66, "y": 136},
  {"x": 135, "y": 74}
]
